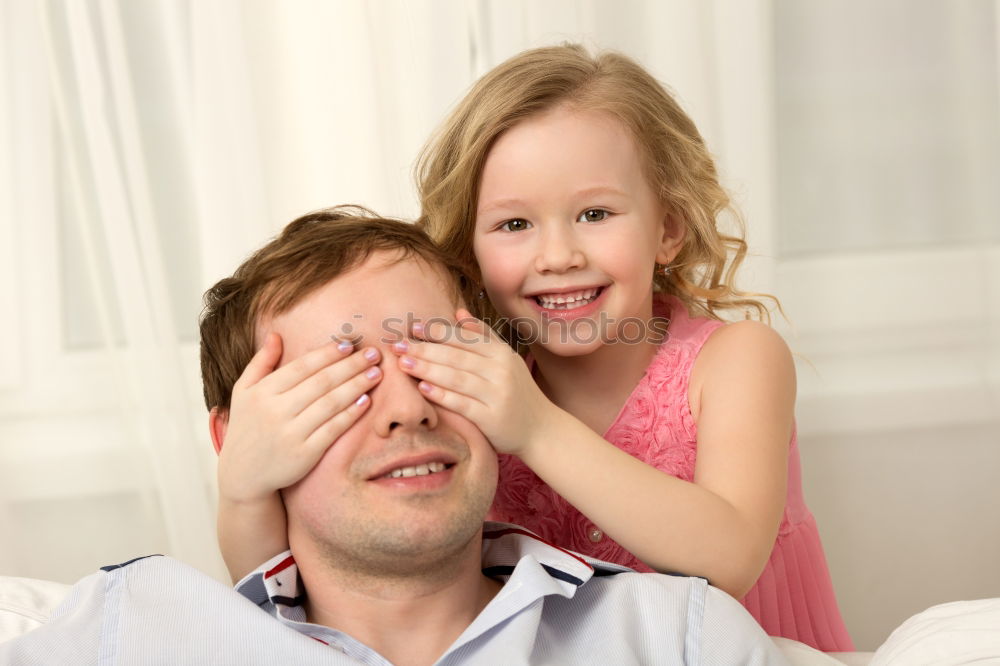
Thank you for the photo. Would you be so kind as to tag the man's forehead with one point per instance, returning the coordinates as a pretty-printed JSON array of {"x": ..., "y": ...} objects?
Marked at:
[
  {"x": 374, "y": 304},
  {"x": 382, "y": 330}
]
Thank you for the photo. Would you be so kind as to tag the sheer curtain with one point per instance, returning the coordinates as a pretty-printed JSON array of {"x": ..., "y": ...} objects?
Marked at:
[{"x": 154, "y": 144}]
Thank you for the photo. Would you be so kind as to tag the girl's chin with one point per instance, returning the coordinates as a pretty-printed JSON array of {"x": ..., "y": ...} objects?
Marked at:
[
  {"x": 565, "y": 350},
  {"x": 558, "y": 345}
]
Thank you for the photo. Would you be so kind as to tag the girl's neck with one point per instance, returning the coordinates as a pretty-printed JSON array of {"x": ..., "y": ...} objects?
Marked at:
[{"x": 594, "y": 387}]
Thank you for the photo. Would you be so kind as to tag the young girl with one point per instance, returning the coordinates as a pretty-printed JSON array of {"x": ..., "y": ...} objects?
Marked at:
[{"x": 586, "y": 202}]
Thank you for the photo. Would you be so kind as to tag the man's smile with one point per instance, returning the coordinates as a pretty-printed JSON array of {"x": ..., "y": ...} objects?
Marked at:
[
  {"x": 417, "y": 470},
  {"x": 425, "y": 471}
]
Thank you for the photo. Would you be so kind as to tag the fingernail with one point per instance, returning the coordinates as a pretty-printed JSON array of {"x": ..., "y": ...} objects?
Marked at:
[
  {"x": 371, "y": 354},
  {"x": 344, "y": 346},
  {"x": 363, "y": 400},
  {"x": 425, "y": 387},
  {"x": 408, "y": 362},
  {"x": 402, "y": 346},
  {"x": 372, "y": 373},
  {"x": 418, "y": 328}
]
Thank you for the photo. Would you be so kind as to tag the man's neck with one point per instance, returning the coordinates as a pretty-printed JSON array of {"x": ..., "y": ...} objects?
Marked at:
[{"x": 409, "y": 619}]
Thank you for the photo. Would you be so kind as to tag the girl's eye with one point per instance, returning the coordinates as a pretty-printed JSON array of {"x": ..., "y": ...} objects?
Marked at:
[
  {"x": 593, "y": 215},
  {"x": 515, "y": 225}
]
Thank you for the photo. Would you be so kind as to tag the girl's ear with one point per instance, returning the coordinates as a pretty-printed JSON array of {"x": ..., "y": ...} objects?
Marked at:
[
  {"x": 218, "y": 421},
  {"x": 672, "y": 238}
]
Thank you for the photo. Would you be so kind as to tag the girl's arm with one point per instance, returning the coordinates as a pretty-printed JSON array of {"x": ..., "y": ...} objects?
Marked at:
[
  {"x": 251, "y": 533},
  {"x": 723, "y": 525},
  {"x": 280, "y": 424}
]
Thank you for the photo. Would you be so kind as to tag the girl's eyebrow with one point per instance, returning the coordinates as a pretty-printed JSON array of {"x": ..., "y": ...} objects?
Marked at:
[
  {"x": 501, "y": 203},
  {"x": 599, "y": 190},
  {"x": 513, "y": 202}
]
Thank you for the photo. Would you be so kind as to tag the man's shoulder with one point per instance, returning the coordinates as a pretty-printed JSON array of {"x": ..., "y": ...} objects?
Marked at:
[
  {"x": 108, "y": 568},
  {"x": 160, "y": 574},
  {"x": 614, "y": 589},
  {"x": 506, "y": 544},
  {"x": 617, "y": 611},
  {"x": 584, "y": 581},
  {"x": 648, "y": 615}
]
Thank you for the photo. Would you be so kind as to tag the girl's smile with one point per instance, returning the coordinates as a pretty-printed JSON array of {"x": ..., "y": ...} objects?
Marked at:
[
  {"x": 568, "y": 227},
  {"x": 569, "y": 304}
]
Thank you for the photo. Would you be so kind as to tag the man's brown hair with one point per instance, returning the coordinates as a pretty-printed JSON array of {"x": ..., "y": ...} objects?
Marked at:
[{"x": 308, "y": 253}]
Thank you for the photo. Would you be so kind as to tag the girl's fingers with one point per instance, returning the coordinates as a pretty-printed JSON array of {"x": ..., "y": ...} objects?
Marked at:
[
  {"x": 305, "y": 366},
  {"x": 262, "y": 363},
  {"x": 327, "y": 434},
  {"x": 450, "y": 400},
  {"x": 447, "y": 377},
  {"x": 465, "y": 319},
  {"x": 465, "y": 337},
  {"x": 342, "y": 400},
  {"x": 488, "y": 366},
  {"x": 327, "y": 380}
]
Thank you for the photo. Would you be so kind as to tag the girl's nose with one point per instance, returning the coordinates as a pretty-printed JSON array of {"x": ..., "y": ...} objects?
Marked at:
[{"x": 559, "y": 251}]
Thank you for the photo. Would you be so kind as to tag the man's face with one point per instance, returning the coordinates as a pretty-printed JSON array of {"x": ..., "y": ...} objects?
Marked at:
[{"x": 349, "y": 510}]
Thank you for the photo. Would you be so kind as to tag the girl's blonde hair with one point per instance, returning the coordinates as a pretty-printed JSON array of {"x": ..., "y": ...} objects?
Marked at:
[{"x": 676, "y": 162}]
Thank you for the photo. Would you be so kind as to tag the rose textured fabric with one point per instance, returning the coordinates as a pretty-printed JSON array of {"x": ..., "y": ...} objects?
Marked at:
[{"x": 794, "y": 595}]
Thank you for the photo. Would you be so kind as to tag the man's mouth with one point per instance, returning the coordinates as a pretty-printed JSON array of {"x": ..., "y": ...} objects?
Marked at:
[
  {"x": 417, "y": 470},
  {"x": 568, "y": 300}
]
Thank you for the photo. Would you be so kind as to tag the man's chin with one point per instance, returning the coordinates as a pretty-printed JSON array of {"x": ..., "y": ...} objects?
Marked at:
[
  {"x": 414, "y": 549},
  {"x": 394, "y": 535},
  {"x": 427, "y": 550}
]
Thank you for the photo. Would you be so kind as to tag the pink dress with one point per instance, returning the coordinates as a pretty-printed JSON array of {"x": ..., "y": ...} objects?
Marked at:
[{"x": 793, "y": 597}]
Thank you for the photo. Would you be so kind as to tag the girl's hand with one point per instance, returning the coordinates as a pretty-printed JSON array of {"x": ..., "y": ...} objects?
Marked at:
[
  {"x": 469, "y": 370},
  {"x": 282, "y": 421}
]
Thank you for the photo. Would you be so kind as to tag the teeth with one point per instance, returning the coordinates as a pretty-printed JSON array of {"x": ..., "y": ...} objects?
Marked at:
[
  {"x": 570, "y": 301},
  {"x": 418, "y": 470}
]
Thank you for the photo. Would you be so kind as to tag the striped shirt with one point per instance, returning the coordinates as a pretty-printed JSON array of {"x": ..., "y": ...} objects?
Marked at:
[{"x": 555, "y": 607}]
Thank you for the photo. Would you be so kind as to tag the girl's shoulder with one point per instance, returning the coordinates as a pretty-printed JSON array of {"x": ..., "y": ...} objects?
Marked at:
[
  {"x": 734, "y": 354},
  {"x": 714, "y": 338},
  {"x": 742, "y": 342}
]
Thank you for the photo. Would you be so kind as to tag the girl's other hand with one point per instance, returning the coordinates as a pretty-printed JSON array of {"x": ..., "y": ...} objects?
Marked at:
[
  {"x": 281, "y": 421},
  {"x": 468, "y": 369}
]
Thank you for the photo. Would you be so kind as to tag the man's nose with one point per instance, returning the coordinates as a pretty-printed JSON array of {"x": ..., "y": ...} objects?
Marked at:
[
  {"x": 559, "y": 249},
  {"x": 398, "y": 403}
]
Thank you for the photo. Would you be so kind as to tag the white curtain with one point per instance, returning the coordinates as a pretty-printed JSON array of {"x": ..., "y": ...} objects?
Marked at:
[
  {"x": 153, "y": 145},
  {"x": 149, "y": 145}
]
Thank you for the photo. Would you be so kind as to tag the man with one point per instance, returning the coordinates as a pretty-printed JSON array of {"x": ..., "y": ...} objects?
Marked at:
[{"x": 387, "y": 568}]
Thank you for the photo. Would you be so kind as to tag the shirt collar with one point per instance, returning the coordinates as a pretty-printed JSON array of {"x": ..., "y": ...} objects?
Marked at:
[
  {"x": 531, "y": 568},
  {"x": 506, "y": 546}
]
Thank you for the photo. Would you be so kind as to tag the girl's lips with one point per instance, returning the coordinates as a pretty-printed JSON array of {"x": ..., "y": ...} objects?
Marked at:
[
  {"x": 573, "y": 313},
  {"x": 564, "y": 290}
]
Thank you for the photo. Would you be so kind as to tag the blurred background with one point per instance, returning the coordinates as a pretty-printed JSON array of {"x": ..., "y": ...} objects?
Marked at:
[{"x": 147, "y": 146}]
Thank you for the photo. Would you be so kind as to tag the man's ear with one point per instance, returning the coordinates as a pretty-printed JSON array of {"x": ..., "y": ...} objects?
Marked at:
[
  {"x": 218, "y": 421},
  {"x": 671, "y": 238}
]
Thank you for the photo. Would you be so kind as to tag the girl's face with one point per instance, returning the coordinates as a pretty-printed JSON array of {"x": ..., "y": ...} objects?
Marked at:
[{"x": 568, "y": 231}]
